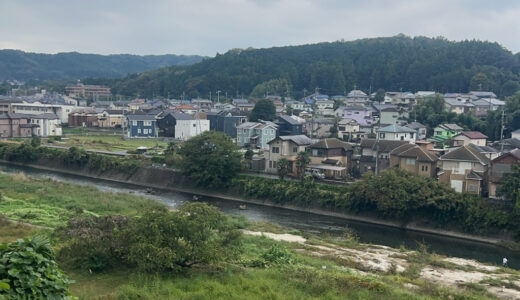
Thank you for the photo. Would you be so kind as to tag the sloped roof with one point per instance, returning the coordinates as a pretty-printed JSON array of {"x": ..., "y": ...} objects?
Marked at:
[
  {"x": 48, "y": 116},
  {"x": 469, "y": 152},
  {"x": 13, "y": 116},
  {"x": 297, "y": 139},
  {"x": 416, "y": 152},
  {"x": 395, "y": 128},
  {"x": 331, "y": 143},
  {"x": 473, "y": 175},
  {"x": 141, "y": 117},
  {"x": 415, "y": 125},
  {"x": 450, "y": 127},
  {"x": 473, "y": 135},
  {"x": 288, "y": 119},
  {"x": 384, "y": 145}
]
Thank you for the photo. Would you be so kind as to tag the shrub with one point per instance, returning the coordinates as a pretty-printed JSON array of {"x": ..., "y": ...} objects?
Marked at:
[{"x": 28, "y": 271}]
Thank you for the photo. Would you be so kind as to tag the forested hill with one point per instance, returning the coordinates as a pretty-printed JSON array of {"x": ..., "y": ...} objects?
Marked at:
[
  {"x": 19, "y": 65},
  {"x": 391, "y": 63}
]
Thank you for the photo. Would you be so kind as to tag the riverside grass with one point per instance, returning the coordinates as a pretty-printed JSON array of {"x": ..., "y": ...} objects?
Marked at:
[
  {"x": 304, "y": 276},
  {"x": 51, "y": 203}
]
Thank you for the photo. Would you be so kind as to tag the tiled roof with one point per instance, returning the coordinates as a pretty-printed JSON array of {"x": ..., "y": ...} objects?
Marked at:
[
  {"x": 288, "y": 119},
  {"x": 384, "y": 145},
  {"x": 395, "y": 128},
  {"x": 141, "y": 117},
  {"x": 297, "y": 139},
  {"x": 331, "y": 143},
  {"x": 469, "y": 152},
  {"x": 411, "y": 150},
  {"x": 415, "y": 125},
  {"x": 474, "y": 134},
  {"x": 450, "y": 127}
]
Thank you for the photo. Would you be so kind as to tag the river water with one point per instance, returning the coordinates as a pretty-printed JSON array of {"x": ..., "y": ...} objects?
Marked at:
[{"x": 306, "y": 222}]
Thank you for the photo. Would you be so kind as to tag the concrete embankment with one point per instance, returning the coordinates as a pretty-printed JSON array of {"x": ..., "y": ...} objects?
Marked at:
[{"x": 171, "y": 180}]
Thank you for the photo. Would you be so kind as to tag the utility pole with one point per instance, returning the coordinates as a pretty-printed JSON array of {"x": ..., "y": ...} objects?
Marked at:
[
  {"x": 502, "y": 133},
  {"x": 218, "y": 96},
  {"x": 210, "y": 96}
]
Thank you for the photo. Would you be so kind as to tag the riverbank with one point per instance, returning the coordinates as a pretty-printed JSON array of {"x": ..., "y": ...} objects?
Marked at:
[{"x": 169, "y": 180}]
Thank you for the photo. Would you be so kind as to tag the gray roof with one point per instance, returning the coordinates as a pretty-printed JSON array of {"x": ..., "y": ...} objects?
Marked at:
[
  {"x": 395, "y": 128},
  {"x": 48, "y": 116},
  {"x": 450, "y": 127},
  {"x": 141, "y": 117},
  {"x": 415, "y": 125},
  {"x": 384, "y": 145},
  {"x": 331, "y": 143},
  {"x": 414, "y": 151},
  {"x": 297, "y": 139},
  {"x": 13, "y": 116},
  {"x": 288, "y": 119},
  {"x": 181, "y": 116}
]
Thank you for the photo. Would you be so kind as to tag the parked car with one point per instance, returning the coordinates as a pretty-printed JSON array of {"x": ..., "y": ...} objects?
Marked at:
[{"x": 316, "y": 173}]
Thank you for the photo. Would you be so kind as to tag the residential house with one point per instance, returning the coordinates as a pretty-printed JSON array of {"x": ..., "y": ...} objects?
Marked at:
[
  {"x": 483, "y": 94},
  {"x": 167, "y": 120},
  {"x": 320, "y": 127},
  {"x": 111, "y": 118},
  {"x": 324, "y": 104},
  {"x": 36, "y": 107},
  {"x": 188, "y": 128},
  {"x": 331, "y": 156},
  {"x": 419, "y": 128},
  {"x": 397, "y": 133},
  {"x": 348, "y": 130},
  {"x": 362, "y": 115},
  {"x": 245, "y": 107},
  {"x": 469, "y": 137},
  {"x": 15, "y": 125},
  {"x": 286, "y": 147},
  {"x": 202, "y": 103},
  {"x": 445, "y": 132},
  {"x": 414, "y": 159},
  {"x": 47, "y": 125},
  {"x": 289, "y": 125},
  {"x": 500, "y": 167},
  {"x": 226, "y": 122},
  {"x": 141, "y": 126},
  {"x": 256, "y": 134},
  {"x": 458, "y": 106},
  {"x": 358, "y": 95},
  {"x": 84, "y": 117},
  {"x": 373, "y": 150},
  {"x": 239, "y": 101},
  {"x": 465, "y": 169}
]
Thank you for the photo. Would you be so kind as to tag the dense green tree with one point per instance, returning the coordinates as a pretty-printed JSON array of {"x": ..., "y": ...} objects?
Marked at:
[
  {"x": 276, "y": 87},
  {"x": 282, "y": 168},
  {"x": 264, "y": 110},
  {"x": 248, "y": 157},
  {"x": 210, "y": 159},
  {"x": 380, "y": 95},
  {"x": 510, "y": 187},
  {"x": 479, "y": 82},
  {"x": 302, "y": 161},
  {"x": 289, "y": 110}
]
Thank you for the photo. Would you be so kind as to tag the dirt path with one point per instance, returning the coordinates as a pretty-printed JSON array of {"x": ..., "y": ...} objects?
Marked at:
[{"x": 447, "y": 271}]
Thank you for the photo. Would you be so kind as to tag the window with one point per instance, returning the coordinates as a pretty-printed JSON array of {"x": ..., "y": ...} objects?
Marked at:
[
  {"x": 424, "y": 168},
  {"x": 134, "y": 123},
  {"x": 382, "y": 135},
  {"x": 147, "y": 123},
  {"x": 194, "y": 125},
  {"x": 275, "y": 149},
  {"x": 270, "y": 164},
  {"x": 295, "y": 149},
  {"x": 274, "y": 164},
  {"x": 145, "y": 131},
  {"x": 472, "y": 188},
  {"x": 139, "y": 130},
  {"x": 411, "y": 135},
  {"x": 410, "y": 161}
]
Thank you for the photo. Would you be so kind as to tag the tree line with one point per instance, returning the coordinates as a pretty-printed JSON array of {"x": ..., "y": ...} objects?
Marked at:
[{"x": 394, "y": 63}]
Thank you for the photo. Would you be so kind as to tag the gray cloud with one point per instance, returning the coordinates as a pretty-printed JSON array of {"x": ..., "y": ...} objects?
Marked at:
[{"x": 207, "y": 27}]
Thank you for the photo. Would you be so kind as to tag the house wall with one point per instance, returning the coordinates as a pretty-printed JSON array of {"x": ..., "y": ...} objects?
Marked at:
[
  {"x": 138, "y": 129},
  {"x": 400, "y": 136},
  {"x": 389, "y": 117},
  {"x": 464, "y": 141},
  {"x": 185, "y": 129}
]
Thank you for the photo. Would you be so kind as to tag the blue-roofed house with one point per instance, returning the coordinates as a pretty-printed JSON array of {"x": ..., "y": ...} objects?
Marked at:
[{"x": 141, "y": 126}]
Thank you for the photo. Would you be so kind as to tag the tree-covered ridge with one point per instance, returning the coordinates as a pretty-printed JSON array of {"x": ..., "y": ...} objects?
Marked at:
[
  {"x": 19, "y": 65},
  {"x": 392, "y": 63}
]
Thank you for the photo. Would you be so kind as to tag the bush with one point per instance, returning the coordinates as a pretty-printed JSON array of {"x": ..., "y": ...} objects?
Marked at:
[{"x": 28, "y": 271}]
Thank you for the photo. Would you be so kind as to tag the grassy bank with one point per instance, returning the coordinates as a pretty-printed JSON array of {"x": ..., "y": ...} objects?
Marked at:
[
  {"x": 50, "y": 203},
  {"x": 108, "y": 142},
  {"x": 320, "y": 268}
]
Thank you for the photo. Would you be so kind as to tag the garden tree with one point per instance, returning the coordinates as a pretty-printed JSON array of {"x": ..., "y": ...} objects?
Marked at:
[
  {"x": 289, "y": 110},
  {"x": 28, "y": 271},
  {"x": 510, "y": 187},
  {"x": 380, "y": 95},
  {"x": 302, "y": 160},
  {"x": 210, "y": 159},
  {"x": 283, "y": 168},
  {"x": 248, "y": 157},
  {"x": 196, "y": 233},
  {"x": 36, "y": 142},
  {"x": 264, "y": 110},
  {"x": 510, "y": 88},
  {"x": 337, "y": 104}
]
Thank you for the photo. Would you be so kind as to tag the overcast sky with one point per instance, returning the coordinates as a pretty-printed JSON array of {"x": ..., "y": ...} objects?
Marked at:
[{"x": 211, "y": 26}]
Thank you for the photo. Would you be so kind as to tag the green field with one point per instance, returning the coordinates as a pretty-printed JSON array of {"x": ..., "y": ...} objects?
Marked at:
[{"x": 108, "y": 142}]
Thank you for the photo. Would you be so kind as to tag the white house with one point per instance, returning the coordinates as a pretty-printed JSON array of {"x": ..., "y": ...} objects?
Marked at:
[
  {"x": 397, "y": 133},
  {"x": 49, "y": 124},
  {"x": 37, "y": 108},
  {"x": 185, "y": 129}
]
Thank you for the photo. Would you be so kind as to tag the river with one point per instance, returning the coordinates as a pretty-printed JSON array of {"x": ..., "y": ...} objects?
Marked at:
[{"x": 306, "y": 222}]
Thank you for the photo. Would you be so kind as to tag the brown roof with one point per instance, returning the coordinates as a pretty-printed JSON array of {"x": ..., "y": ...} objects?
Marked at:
[
  {"x": 474, "y": 135},
  {"x": 384, "y": 145},
  {"x": 331, "y": 143},
  {"x": 515, "y": 153},
  {"x": 411, "y": 150},
  {"x": 467, "y": 153}
]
